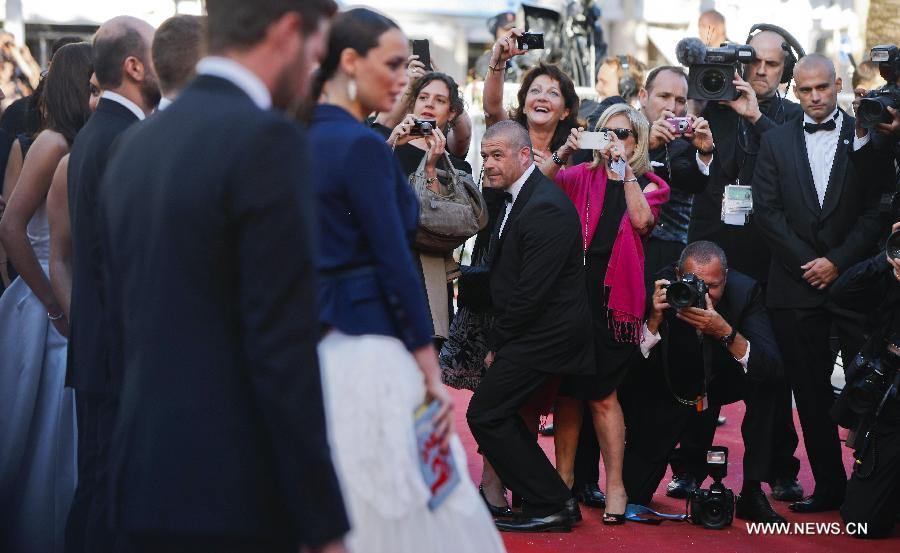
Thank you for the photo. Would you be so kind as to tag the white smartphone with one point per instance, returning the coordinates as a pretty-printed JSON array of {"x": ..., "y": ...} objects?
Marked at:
[{"x": 593, "y": 140}]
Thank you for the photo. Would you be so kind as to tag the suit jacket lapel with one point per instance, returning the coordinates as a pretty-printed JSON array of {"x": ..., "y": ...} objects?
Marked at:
[
  {"x": 839, "y": 167},
  {"x": 524, "y": 195},
  {"x": 804, "y": 172}
]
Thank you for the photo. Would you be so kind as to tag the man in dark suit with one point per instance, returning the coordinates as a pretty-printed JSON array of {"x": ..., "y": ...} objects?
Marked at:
[
  {"x": 220, "y": 443},
  {"x": 703, "y": 358},
  {"x": 542, "y": 329},
  {"x": 819, "y": 218},
  {"x": 124, "y": 71},
  {"x": 738, "y": 127}
]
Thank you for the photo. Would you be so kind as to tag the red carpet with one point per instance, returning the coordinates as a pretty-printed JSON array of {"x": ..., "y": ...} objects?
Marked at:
[{"x": 592, "y": 536}]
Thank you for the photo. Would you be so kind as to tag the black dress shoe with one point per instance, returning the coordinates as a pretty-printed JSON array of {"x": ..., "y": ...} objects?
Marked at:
[
  {"x": 681, "y": 485},
  {"x": 591, "y": 495},
  {"x": 754, "y": 506},
  {"x": 574, "y": 511},
  {"x": 557, "y": 522},
  {"x": 786, "y": 489},
  {"x": 817, "y": 504},
  {"x": 496, "y": 512}
]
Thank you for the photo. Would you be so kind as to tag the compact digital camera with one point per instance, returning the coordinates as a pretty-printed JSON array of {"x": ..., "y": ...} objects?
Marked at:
[{"x": 422, "y": 127}]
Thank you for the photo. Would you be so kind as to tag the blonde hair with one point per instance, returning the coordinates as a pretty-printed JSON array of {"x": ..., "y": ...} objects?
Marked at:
[{"x": 640, "y": 160}]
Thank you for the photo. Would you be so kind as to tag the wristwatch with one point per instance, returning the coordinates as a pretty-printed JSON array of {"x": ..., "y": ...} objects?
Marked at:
[{"x": 728, "y": 340}]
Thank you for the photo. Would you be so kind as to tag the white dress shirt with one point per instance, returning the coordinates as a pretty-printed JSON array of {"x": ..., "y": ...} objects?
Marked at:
[
  {"x": 649, "y": 341},
  {"x": 163, "y": 103},
  {"x": 238, "y": 75},
  {"x": 514, "y": 191},
  {"x": 821, "y": 147},
  {"x": 119, "y": 99}
]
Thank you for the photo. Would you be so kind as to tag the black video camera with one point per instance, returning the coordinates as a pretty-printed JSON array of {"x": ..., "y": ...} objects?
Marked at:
[
  {"x": 713, "y": 508},
  {"x": 689, "y": 291},
  {"x": 712, "y": 79},
  {"x": 872, "y": 108}
]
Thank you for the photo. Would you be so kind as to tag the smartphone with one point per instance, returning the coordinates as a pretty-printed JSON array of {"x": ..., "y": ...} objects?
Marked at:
[
  {"x": 593, "y": 140},
  {"x": 680, "y": 125},
  {"x": 531, "y": 41},
  {"x": 420, "y": 48}
]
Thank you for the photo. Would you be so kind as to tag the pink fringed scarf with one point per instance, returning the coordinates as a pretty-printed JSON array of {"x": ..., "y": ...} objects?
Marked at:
[{"x": 624, "y": 282}]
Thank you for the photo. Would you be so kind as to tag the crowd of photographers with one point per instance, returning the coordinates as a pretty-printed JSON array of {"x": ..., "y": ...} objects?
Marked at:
[
  {"x": 777, "y": 218},
  {"x": 690, "y": 239}
]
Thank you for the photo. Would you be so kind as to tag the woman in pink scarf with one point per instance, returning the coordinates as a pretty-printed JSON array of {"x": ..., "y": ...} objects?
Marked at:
[{"x": 616, "y": 212}]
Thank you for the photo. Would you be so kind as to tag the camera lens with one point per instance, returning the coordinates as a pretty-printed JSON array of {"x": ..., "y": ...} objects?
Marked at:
[
  {"x": 871, "y": 111},
  {"x": 680, "y": 295},
  {"x": 893, "y": 246},
  {"x": 713, "y": 81},
  {"x": 715, "y": 515}
]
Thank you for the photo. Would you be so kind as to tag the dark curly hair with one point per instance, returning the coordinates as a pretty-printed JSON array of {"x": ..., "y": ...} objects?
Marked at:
[
  {"x": 567, "y": 87},
  {"x": 457, "y": 105}
]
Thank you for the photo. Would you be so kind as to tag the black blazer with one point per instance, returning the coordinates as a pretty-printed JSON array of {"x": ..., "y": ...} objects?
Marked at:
[
  {"x": 537, "y": 284},
  {"x": 88, "y": 356},
  {"x": 845, "y": 229},
  {"x": 743, "y": 306},
  {"x": 208, "y": 233}
]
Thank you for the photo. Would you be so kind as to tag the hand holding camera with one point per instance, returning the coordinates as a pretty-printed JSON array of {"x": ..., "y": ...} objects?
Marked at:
[
  {"x": 701, "y": 137},
  {"x": 615, "y": 152},
  {"x": 746, "y": 105},
  {"x": 415, "y": 70},
  {"x": 437, "y": 144},
  {"x": 706, "y": 320},
  {"x": 507, "y": 47},
  {"x": 661, "y": 131}
]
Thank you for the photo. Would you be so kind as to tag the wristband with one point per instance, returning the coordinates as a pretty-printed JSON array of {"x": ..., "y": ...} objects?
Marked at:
[
  {"x": 710, "y": 152},
  {"x": 557, "y": 160}
]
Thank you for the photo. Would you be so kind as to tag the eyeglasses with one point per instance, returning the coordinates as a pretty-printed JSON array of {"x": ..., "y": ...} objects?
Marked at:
[{"x": 622, "y": 134}]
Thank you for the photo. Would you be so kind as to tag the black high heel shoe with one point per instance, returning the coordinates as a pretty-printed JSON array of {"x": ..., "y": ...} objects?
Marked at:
[{"x": 496, "y": 512}]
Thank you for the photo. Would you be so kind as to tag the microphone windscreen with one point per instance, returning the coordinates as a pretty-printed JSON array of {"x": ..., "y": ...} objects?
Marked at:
[{"x": 690, "y": 51}]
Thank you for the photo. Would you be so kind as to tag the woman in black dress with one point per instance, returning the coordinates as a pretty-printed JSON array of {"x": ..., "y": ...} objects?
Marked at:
[{"x": 620, "y": 208}]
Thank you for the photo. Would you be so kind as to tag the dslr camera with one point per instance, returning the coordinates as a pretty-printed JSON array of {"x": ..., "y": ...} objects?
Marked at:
[
  {"x": 713, "y": 508},
  {"x": 872, "y": 108},
  {"x": 689, "y": 291},
  {"x": 712, "y": 79}
]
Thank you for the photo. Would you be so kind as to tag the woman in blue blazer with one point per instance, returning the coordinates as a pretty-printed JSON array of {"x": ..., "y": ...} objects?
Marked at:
[{"x": 377, "y": 358}]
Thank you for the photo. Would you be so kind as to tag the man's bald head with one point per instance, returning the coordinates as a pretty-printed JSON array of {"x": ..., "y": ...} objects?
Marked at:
[
  {"x": 117, "y": 40},
  {"x": 513, "y": 134},
  {"x": 711, "y": 27},
  {"x": 816, "y": 63}
]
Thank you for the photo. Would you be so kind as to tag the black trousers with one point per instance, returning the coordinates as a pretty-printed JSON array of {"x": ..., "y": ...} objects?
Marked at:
[
  {"x": 655, "y": 422},
  {"x": 690, "y": 456},
  {"x": 503, "y": 438},
  {"x": 873, "y": 492},
  {"x": 88, "y": 525},
  {"x": 804, "y": 339}
]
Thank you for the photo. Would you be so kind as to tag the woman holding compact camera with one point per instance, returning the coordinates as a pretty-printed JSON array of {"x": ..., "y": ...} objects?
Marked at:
[
  {"x": 377, "y": 359},
  {"x": 433, "y": 103},
  {"x": 618, "y": 198},
  {"x": 547, "y": 104}
]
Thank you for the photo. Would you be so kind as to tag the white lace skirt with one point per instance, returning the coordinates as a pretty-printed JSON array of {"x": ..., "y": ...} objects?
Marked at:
[{"x": 372, "y": 387}]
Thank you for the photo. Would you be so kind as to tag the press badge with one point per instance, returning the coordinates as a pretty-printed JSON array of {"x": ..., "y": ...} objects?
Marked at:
[{"x": 737, "y": 204}]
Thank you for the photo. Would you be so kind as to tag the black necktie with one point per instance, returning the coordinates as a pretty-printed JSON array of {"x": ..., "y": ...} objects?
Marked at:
[{"x": 829, "y": 125}]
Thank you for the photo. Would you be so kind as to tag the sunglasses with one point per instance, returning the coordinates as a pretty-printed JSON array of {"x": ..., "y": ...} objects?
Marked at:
[{"x": 621, "y": 134}]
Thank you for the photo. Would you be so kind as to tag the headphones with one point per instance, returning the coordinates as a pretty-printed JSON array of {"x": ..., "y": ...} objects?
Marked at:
[
  {"x": 793, "y": 50},
  {"x": 628, "y": 88}
]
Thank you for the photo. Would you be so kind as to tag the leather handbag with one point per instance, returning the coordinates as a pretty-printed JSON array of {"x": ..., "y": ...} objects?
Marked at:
[{"x": 450, "y": 217}]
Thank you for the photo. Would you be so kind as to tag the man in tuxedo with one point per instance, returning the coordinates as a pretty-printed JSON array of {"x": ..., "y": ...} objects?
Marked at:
[
  {"x": 819, "y": 218},
  {"x": 177, "y": 47},
  {"x": 542, "y": 329},
  {"x": 704, "y": 358},
  {"x": 738, "y": 127},
  {"x": 125, "y": 73},
  {"x": 220, "y": 442}
]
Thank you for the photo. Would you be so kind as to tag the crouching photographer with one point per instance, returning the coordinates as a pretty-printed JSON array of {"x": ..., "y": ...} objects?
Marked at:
[
  {"x": 707, "y": 342},
  {"x": 869, "y": 405}
]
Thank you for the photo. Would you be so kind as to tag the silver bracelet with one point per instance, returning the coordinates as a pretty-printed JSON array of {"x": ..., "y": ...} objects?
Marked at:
[{"x": 55, "y": 317}]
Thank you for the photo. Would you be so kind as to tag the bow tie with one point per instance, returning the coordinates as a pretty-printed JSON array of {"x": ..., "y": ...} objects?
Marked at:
[
  {"x": 811, "y": 128},
  {"x": 507, "y": 197}
]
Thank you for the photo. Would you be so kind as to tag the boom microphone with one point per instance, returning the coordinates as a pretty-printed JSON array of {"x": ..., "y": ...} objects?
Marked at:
[{"x": 690, "y": 51}]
